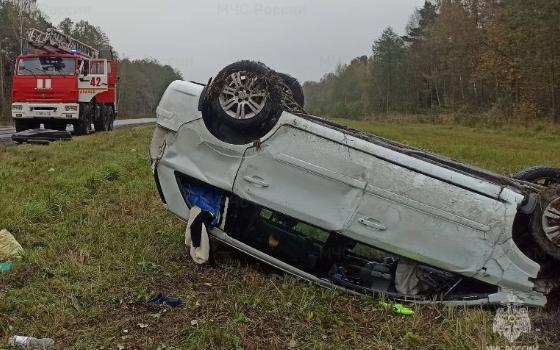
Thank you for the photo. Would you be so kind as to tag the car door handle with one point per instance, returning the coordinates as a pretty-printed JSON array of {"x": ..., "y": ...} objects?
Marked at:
[
  {"x": 372, "y": 223},
  {"x": 255, "y": 180}
]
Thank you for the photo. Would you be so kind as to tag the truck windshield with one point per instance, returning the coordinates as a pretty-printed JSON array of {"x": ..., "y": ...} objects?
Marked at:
[{"x": 47, "y": 66}]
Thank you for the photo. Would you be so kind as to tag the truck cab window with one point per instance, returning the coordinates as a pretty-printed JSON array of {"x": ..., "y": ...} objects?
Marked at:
[
  {"x": 46, "y": 66},
  {"x": 97, "y": 67},
  {"x": 84, "y": 67}
]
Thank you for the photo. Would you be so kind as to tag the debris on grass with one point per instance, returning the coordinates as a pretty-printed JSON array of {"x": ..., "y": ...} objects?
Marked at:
[
  {"x": 9, "y": 247},
  {"x": 163, "y": 299},
  {"x": 5, "y": 266},
  {"x": 41, "y": 136},
  {"x": 30, "y": 342},
  {"x": 398, "y": 309}
]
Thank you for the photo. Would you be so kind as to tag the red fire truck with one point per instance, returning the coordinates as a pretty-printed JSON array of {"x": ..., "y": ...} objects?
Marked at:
[{"x": 65, "y": 82}]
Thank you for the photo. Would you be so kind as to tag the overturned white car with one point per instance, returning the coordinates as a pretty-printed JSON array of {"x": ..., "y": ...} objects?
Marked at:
[{"x": 349, "y": 210}]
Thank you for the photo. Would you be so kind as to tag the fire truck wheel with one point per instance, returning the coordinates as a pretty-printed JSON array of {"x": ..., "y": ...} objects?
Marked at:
[
  {"x": 100, "y": 118},
  {"x": 83, "y": 125},
  {"x": 110, "y": 118}
]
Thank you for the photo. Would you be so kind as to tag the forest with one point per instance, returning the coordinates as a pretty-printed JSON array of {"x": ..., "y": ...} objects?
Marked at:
[
  {"x": 142, "y": 81},
  {"x": 494, "y": 58}
]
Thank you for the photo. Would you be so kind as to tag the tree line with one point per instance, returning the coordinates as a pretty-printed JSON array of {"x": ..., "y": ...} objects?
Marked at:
[
  {"x": 499, "y": 57},
  {"x": 142, "y": 81}
]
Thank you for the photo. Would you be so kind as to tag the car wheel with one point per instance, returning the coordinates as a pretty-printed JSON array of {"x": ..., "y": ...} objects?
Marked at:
[
  {"x": 546, "y": 228},
  {"x": 545, "y": 223},
  {"x": 292, "y": 87},
  {"x": 242, "y": 103},
  {"x": 541, "y": 175}
]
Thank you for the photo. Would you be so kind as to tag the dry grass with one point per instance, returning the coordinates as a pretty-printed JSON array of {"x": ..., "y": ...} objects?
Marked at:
[{"x": 98, "y": 242}]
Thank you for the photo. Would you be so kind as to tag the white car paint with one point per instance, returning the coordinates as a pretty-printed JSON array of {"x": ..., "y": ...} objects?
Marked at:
[{"x": 334, "y": 180}]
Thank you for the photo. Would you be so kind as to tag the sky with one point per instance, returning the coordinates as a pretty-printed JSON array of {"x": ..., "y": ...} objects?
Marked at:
[{"x": 305, "y": 38}]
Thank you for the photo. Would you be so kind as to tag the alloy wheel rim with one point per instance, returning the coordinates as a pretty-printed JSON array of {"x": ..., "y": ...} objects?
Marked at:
[
  {"x": 551, "y": 222},
  {"x": 243, "y": 95}
]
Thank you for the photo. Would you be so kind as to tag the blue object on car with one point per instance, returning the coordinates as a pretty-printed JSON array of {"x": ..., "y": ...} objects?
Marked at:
[{"x": 206, "y": 198}]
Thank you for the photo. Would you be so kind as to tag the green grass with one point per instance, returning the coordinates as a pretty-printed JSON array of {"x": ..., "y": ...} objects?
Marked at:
[
  {"x": 98, "y": 242},
  {"x": 503, "y": 150}
]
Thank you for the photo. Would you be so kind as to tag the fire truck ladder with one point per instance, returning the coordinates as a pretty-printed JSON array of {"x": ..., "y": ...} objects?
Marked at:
[{"x": 56, "y": 41}]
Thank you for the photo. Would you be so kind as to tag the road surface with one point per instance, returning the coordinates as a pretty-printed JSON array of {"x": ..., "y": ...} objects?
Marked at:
[{"x": 6, "y": 132}]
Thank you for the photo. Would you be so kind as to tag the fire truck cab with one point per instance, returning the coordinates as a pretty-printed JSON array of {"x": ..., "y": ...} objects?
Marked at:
[{"x": 64, "y": 83}]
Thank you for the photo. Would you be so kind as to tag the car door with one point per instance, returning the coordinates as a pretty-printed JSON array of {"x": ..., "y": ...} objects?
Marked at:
[
  {"x": 98, "y": 74},
  {"x": 423, "y": 218},
  {"x": 93, "y": 78},
  {"x": 303, "y": 175}
]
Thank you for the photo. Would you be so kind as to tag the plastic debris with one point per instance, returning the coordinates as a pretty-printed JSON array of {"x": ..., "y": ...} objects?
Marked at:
[
  {"x": 30, "y": 342},
  {"x": 41, "y": 136},
  {"x": 206, "y": 198},
  {"x": 196, "y": 235},
  {"x": 163, "y": 299},
  {"x": 399, "y": 309},
  {"x": 5, "y": 266},
  {"x": 9, "y": 247}
]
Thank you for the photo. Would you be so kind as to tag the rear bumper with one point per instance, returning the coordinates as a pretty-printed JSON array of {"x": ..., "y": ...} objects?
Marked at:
[{"x": 30, "y": 110}]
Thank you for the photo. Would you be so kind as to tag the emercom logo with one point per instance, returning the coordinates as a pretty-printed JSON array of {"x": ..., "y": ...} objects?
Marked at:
[{"x": 511, "y": 322}]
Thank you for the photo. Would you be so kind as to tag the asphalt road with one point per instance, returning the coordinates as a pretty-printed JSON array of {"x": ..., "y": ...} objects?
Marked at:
[{"x": 6, "y": 132}]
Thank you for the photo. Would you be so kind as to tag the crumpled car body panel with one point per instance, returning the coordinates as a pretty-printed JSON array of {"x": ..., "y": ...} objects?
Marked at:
[{"x": 376, "y": 195}]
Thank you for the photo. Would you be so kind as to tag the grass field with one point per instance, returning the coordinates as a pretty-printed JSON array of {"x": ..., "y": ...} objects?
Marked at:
[{"x": 98, "y": 242}]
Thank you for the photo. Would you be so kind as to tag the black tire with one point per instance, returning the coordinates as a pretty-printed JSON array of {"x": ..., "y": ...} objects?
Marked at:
[
  {"x": 294, "y": 88},
  {"x": 104, "y": 119},
  {"x": 83, "y": 125},
  {"x": 100, "y": 118},
  {"x": 541, "y": 175},
  {"x": 242, "y": 130},
  {"x": 109, "y": 123},
  {"x": 540, "y": 237},
  {"x": 544, "y": 176}
]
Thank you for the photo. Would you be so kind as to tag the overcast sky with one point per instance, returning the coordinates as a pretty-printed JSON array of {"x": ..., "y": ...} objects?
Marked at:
[{"x": 305, "y": 38}]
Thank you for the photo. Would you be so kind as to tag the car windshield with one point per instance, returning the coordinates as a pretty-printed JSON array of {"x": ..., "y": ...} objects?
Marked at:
[{"x": 47, "y": 66}]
